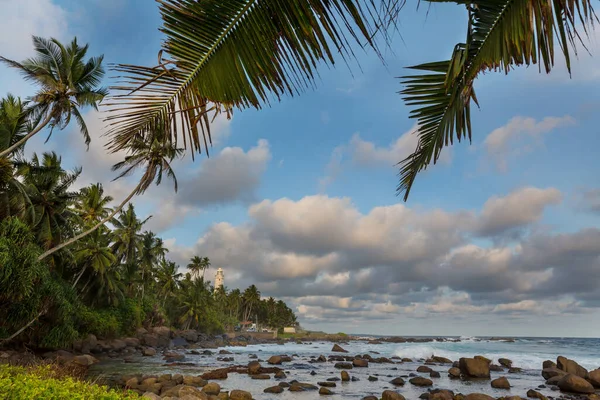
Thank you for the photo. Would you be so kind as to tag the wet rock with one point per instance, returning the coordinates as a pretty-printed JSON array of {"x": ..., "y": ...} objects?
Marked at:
[
  {"x": 254, "y": 368},
  {"x": 500, "y": 383},
  {"x": 424, "y": 368},
  {"x": 482, "y": 358},
  {"x": 594, "y": 377},
  {"x": 343, "y": 365},
  {"x": 359, "y": 362},
  {"x": 240, "y": 395},
  {"x": 223, "y": 352},
  {"x": 420, "y": 381},
  {"x": 496, "y": 368},
  {"x": 313, "y": 373},
  {"x": 575, "y": 384},
  {"x": 327, "y": 384},
  {"x": 354, "y": 379},
  {"x": 370, "y": 398},
  {"x": 275, "y": 360},
  {"x": 280, "y": 375},
  {"x": 345, "y": 376},
  {"x": 212, "y": 388},
  {"x": 194, "y": 381},
  {"x": 478, "y": 396},
  {"x": 260, "y": 376},
  {"x": 216, "y": 374},
  {"x": 301, "y": 387},
  {"x": 322, "y": 358},
  {"x": 397, "y": 381},
  {"x": 548, "y": 364},
  {"x": 454, "y": 373},
  {"x": 505, "y": 362},
  {"x": 441, "y": 394},
  {"x": 273, "y": 389},
  {"x": 338, "y": 349},
  {"x": 391, "y": 395},
  {"x": 117, "y": 344},
  {"x": 571, "y": 367},
  {"x": 434, "y": 374},
  {"x": 536, "y": 395},
  {"x": 253, "y": 356},
  {"x": 514, "y": 370},
  {"x": 373, "y": 379},
  {"x": 407, "y": 360},
  {"x": 189, "y": 334},
  {"x": 548, "y": 373},
  {"x": 554, "y": 380},
  {"x": 441, "y": 360},
  {"x": 474, "y": 367},
  {"x": 325, "y": 391}
]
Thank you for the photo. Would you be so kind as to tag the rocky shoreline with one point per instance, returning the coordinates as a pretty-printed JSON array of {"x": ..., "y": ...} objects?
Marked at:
[{"x": 565, "y": 378}]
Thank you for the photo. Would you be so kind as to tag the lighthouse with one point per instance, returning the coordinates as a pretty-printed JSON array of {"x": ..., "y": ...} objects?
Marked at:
[{"x": 219, "y": 278}]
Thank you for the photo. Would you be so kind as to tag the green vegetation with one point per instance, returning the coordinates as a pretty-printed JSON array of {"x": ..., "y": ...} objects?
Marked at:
[
  {"x": 43, "y": 383},
  {"x": 70, "y": 264}
]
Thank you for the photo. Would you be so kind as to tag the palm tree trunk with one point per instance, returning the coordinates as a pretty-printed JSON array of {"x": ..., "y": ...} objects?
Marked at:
[
  {"x": 17, "y": 333},
  {"x": 78, "y": 277},
  {"x": 38, "y": 128},
  {"x": 98, "y": 225}
]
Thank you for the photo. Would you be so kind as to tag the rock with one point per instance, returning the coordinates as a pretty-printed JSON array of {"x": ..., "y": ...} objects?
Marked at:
[
  {"x": 370, "y": 398},
  {"x": 548, "y": 364},
  {"x": 190, "y": 335},
  {"x": 85, "y": 360},
  {"x": 478, "y": 396},
  {"x": 240, "y": 395},
  {"x": 397, "y": 381},
  {"x": 496, "y": 368},
  {"x": 254, "y": 367},
  {"x": 420, "y": 381},
  {"x": 338, "y": 349},
  {"x": 148, "y": 352},
  {"x": 131, "y": 342},
  {"x": 500, "y": 383},
  {"x": 454, "y": 373},
  {"x": 150, "y": 340},
  {"x": 554, "y": 380},
  {"x": 212, "y": 388},
  {"x": 441, "y": 360},
  {"x": 132, "y": 383},
  {"x": 322, "y": 358},
  {"x": 151, "y": 396},
  {"x": 359, "y": 362},
  {"x": 273, "y": 389},
  {"x": 514, "y": 370},
  {"x": 575, "y": 384},
  {"x": 594, "y": 377},
  {"x": 354, "y": 379},
  {"x": 505, "y": 362},
  {"x": 372, "y": 378},
  {"x": 216, "y": 374},
  {"x": 275, "y": 360},
  {"x": 571, "y": 367},
  {"x": 434, "y": 374},
  {"x": 424, "y": 368},
  {"x": 536, "y": 395},
  {"x": 441, "y": 394},
  {"x": 117, "y": 344},
  {"x": 178, "y": 379},
  {"x": 280, "y": 375},
  {"x": 327, "y": 384},
  {"x": 551, "y": 372},
  {"x": 391, "y": 395},
  {"x": 260, "y": 376},
  {"x": 324, "y": 391},
  {"x": 474, "y": 368},
  {"x": 482, "y": 358},
  {"x": 194, "y": 381},
  {"x": 343, "y": 365},
  {"x": 345, "y": 376}
]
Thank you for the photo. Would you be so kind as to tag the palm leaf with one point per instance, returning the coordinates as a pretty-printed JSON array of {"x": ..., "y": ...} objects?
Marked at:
[
  {"x": 501, "y": 34},
  {"x": 225, "y": 54}
]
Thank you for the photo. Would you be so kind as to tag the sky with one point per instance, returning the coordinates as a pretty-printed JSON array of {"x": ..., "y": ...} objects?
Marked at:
[{"x": 500, "y": 238}]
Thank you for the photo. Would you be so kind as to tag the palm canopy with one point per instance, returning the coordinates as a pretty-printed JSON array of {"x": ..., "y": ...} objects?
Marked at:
[
  {"x": 14, "y": 121},
  {"x": 501, "y": 34},
  {"x": 66, "y": 83},
  {"x": 220, "y": 54}
]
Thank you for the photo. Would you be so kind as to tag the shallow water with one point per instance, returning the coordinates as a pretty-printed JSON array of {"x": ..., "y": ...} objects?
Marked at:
[{"x": 527, "y": 353}]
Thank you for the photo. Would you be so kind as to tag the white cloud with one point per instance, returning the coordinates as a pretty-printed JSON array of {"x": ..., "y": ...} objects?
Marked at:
[{"x": 515, "y": 138}]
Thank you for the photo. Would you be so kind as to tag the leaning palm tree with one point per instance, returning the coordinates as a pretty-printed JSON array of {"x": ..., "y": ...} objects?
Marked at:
[
  {"x": 152, "y": 152},
  {"x": 501, "y": 34},
  {"x": 66, "y": 84},
  {"x": 198, "y": 264},
  {"x": 92, "y": 205}
]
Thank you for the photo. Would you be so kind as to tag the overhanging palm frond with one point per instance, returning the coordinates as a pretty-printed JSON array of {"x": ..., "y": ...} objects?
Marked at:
[
  {"x": 501, "y": 34},
  {"x": 221, "y": 54}
]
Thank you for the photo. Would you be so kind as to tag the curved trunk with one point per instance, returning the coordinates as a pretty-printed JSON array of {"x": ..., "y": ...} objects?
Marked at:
[
  {"x": 15, "y": 146},
  {"x": 98, "y": 225}
]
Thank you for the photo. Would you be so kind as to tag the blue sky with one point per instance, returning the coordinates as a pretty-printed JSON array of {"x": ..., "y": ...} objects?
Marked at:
[{"x": 294, "y": 196}]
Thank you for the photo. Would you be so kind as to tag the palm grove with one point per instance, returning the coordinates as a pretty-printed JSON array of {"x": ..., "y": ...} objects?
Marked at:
[{"x": 115, "y": 277}]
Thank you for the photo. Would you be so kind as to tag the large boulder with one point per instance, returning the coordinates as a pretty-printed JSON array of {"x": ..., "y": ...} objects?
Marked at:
[
  {"x": 85, "y": 360},
  {"x": 474, "y": 368},
  {"x": 420, "y": 381},
  {"x": 338, "y": 349},
  {"x": 212, "y": 388},
  {"x": 148, "y": 352},
  {"x": 194, "y": 381},
  {"x": 117, "y": 344},
  {"x": 575, "y": 384},
  {"x": 441, "y": 394},
  {"x": 216, "y": 374},
  {"x": 345, "y": 376},
  {"x": 571, "y": 367},
  {"x": 190, "y": 335},
  {"x": 359, "y": 362},
  {"x": 150, "y": 340},
  {"x": 424, "y": 368},
  {"x": 254, "y": 367},
  {"x": 594, "y": 377},
  {"x": 478, "y": 396},
  {"x": 441, "y": 360},
  {"x": 500, "y": 383},
  {"x": 190, "y": 392},
  {"x": 548, "y": 373},
  {"x": 391, "y": 395},
  {"x": 397, "y": 381},
  {"x": 505, "y": 362},
  {"x": 454, "y": 373},
  {"x": 132, "y": 342},
  {"x": 343, "y": 365},
  {"x": 273, "y": 389},
  {"x": 240, "y": 395},
  {"x": 275, "y": 360}
]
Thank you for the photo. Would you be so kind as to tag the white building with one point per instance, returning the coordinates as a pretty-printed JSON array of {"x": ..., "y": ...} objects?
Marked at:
[{"x": 219, "y": 279}]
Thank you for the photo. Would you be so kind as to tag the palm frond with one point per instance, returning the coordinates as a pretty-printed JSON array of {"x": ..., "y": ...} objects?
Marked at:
[
  {"x": 502, "y": 34},
  {"x": 234, "y": 54}
]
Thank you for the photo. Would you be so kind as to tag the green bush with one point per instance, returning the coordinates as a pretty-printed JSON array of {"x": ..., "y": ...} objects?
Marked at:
[
  {"x": 103, "y": 323},
  {"x": 39, "y": 383}
]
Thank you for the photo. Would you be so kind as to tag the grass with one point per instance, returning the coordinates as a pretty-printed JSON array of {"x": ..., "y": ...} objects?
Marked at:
[{"x": 50, "y": 383}]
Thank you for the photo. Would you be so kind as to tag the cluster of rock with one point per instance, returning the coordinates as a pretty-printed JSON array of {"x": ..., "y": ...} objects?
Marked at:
[{"x": 571, "y": 377}]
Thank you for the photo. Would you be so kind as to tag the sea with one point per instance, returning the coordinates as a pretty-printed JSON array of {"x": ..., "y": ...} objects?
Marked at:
[{"x": 527, "y": 353}]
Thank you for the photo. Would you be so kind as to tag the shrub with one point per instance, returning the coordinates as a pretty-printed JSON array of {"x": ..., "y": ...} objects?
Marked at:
[{"x": 41, "y": 383}]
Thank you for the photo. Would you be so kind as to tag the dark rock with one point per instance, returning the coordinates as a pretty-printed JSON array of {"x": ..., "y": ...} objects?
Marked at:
[
  {"x": 324, "y": 391},
  {"x": 327, "y": 384},
  {"x": 594, "y": 377},
  {"x": 343, "y": 365},
  {"x": 548, "y": 364},
  {"x": 216, "y": 374},
  {"x": 496, "y": 368},
  {"x": 500, "y": 383},
  {"x": 478, "y": 396},
  {"x": 391, "y": 395},
  {"x": 397, "y": 381},
  {"x": 424, "y": 368},
  {"x": 370, "y": 398},
  {"x": 575, "y": 384},
  {"x": 571, "y": 367},
  {"x": 373, "y": 379},
  {"x": 474, "y": 367},
  {"x": 358, "y": 362},
  {"x": 321, "y": 358},
  {"x": 275, "y": 360},
  {"x": 514, "y": 370},
  {"x": 482, "y": 358},
  {"x": 550, "y": 372},
  {"x": 260, "y": 376},
  {"x": 338, "y": 349},
  {"x": 434, "y": 374},
  {"x": 420, "y": 381},
  {"x": 536, "y": 395},
  {"x": 441, "y": 394},
  {"x": 274, "y": 389},
  {"x": 441, "y": 360},
  {"x": 354, "y": 379},
  {"x": 280, "y": 375},
  {"x": 345, "y": 376},
  {"x": 224, "y": 352},
  {"x": 454, "y": 373},
  {"x": 505, "y": 362},
  {"x": 254, "y": 367}
]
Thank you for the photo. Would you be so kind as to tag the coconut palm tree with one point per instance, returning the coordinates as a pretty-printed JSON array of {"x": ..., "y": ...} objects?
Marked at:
[
  {"x": 92, "y": 205},
  {"x": 66, "y": 84},
  {"x": 198, "y": 264},
  {"x": 152, "y": 151},
  {"x": 152, "y": 251},
  {"x": 168, "y": 278},
  {"x": 251, "y": 298},
  {"x": 94, "y": 254},
  {"x": 195, "y": 301}
]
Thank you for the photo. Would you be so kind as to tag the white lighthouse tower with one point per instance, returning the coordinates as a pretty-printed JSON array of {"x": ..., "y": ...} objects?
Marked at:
[{"x": 219, "y": 279}]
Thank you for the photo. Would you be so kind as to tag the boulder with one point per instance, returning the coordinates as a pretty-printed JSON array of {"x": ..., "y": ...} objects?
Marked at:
[
  {"x": 343, "y": 365},
  {"x": 148, "y": 352},
  {"x": 391, "y": 395},
  {"x": 482, "y": 358},
  {"x": 338, "y": 349},
  {"x": 280, "y": 375},
  {"x": 216, "y": 374},
  {"x": 372, "y": 378},
  {"x": 496, "y": 368},
  {"x": 370, "y": 398},
  {"x": 474, "y": 368},
  {"x": 325, "y": 391},
  {"x": 571, "y": 367},
  {"x": 500, "y": 383},
  {"x": 132, "y": 342},
  {"x": 273, "y": 389},
  {"x": 150, "y": 340},
  {"x": 189, "y": 392},
  {"x": 117, "y": 344},
  {"x": 454, "y": 373},
  {"x": 478, "y": 396},
  {"x": 85, "y": 360},
  {"x": 551, "y": 372},
  {"x": 441, "y": 394},
  {"x": 434, "y": 374},
  {"x": 275, "y": 360},
  {"x": 505, "y": 362},
  {"x": 575, "y": 384},
  {"x": 554, "y": 380},
  {"x": 240, "y": 395},
  {"x": 260, "y": 376},
  {"x": 441, "y": 360},
  {"x": 345, "y": 376},
  {"x": 254, "y": 368},
  {"x": 594, "y": 377},
  {"x": 536, "y": 395},
  {"x": 327, "y": 384},
  {"x": 420, "y": 381},
  {"x": 190, "y": 335},
  {"x": 322, "y": 358},
  {"x": 359, "y": 362},
  {"x": 397, "y": 381},
  {"x": 151, "y": 396},
  {"x": 131, "y": 383},
  {"x": 424, "y": 368},
  {"x": 212, "y": 388},
  {"x": 194, "y": 381},
  {"x": 548, "y": 364}
]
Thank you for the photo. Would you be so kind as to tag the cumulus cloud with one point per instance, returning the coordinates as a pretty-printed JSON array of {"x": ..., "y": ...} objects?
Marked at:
[{"x": 519, "y": 135}]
